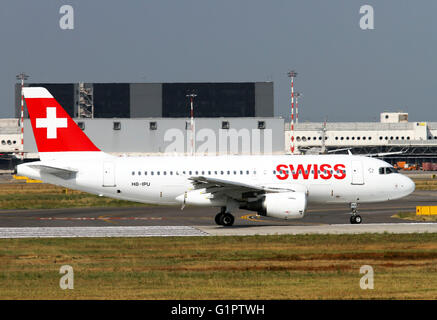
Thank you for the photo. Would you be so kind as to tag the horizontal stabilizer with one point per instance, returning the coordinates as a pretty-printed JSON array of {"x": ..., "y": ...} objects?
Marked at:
[{"x": 61, "y": 172}]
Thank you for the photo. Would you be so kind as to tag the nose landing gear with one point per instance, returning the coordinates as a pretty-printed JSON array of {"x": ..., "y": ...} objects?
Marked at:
[{"x": 355, "y": 218}]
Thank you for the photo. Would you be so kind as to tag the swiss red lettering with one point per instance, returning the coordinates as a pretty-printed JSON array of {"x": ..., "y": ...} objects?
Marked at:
[
  {"x": 300, "y": 170},
  {"x": 341, "y": 173},
  {"x": 281, "y": 168},
  {"x": 316, "y": 172},
  {"x": 324, "y": 171}
]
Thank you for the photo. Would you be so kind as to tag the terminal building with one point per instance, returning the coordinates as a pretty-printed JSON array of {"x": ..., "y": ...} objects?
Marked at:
[{"x": 414, "y": 142}]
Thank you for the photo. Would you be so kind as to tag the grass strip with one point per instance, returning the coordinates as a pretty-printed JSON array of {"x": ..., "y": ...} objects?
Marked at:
[
  {"x": 250, "y": 267},
  {"x": 45, "y": 196}
]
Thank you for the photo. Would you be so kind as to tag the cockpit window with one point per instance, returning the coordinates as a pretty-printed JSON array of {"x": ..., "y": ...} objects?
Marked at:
[
  {"x": 392, "y": 170},
  {"x": 387, "y": 170}
]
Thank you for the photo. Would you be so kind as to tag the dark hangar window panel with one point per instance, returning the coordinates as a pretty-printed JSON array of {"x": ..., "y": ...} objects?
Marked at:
[
  {"x": 212, "y": 100},
  {"x": 111, "y": 100}
]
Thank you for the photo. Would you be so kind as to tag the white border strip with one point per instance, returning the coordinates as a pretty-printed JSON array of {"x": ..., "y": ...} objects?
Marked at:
[
  {"x": 179, "y": 231},
  {"x": 393, "y": 228},
  {"x": 36, "y": 92},
  {"x": 99, "y": 232}
]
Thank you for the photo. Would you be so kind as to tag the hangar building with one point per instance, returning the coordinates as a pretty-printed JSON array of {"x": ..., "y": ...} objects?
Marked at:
[
  {"x": 147, "y": 118},
  {"x": 160, "y": 100}
]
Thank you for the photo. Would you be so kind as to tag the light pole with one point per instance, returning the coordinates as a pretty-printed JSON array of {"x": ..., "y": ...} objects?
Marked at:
[
  {"x": 22, "y": 76},
  {"x": 297, "y": 95},
  {"x": 193, "y": 135}
]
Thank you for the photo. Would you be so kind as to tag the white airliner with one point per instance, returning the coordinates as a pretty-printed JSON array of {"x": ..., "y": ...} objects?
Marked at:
[{"x": 273, "y": 186}]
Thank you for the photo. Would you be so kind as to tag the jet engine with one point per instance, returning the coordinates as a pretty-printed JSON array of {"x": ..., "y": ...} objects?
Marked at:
[
  {"x": 282, "y": 205},
  {"x": 200, "y": 197}
]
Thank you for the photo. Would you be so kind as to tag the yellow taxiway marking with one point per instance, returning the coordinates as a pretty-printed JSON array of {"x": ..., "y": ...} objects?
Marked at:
[
  {"x": 105, "y": 219},
  {"x": 251, "y": 217}
]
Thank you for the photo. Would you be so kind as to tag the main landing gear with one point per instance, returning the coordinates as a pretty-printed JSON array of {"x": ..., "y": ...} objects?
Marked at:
[
  {"x": 224, "y": 218},
  {"x": 355, "y": 218}
]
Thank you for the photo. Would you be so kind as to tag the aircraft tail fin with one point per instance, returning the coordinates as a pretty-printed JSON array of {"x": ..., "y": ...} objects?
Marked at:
[{"x": 54, "y": 130}]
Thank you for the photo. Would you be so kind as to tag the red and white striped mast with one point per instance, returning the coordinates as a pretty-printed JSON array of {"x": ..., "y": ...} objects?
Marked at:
[
  {"x": 292, "y": 74},
  {"x": 297, "y": 95},
  {"x": 193, "y": 135},
  {"x": 22, "y": 76}
]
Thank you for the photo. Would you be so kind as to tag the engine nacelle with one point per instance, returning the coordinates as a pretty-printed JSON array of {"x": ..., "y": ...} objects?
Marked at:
[
  {"x": 282, "y": 205},
  {"x": 200, "y": 198}
]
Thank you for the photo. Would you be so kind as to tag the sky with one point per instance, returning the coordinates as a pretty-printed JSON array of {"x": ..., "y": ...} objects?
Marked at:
[{"x": 345, "y": 73}]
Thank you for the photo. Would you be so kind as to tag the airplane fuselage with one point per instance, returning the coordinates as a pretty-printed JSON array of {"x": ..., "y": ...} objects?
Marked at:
[
  {"x": 274, "y": 186},
  {"x": 161, "y": 180}
]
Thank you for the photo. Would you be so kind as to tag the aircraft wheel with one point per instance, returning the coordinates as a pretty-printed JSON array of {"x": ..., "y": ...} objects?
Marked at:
[
  {"x": 218, "y": 218},
  {"x": 356, "y": 219},
  {"x": 227, "y": 220}
]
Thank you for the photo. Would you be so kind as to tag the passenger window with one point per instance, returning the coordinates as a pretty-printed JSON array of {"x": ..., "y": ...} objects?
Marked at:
[
  {"x": 133, "y": 173},
  {"x": 139, "y": 173}
]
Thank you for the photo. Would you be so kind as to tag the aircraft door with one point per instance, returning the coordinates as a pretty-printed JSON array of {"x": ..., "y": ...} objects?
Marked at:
[
  {"x": 108, "y": 174},
  {"x": 357, "y": 172}
]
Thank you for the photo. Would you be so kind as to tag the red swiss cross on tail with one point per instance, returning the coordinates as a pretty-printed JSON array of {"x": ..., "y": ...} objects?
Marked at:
[{"x": 53, "y": 128}]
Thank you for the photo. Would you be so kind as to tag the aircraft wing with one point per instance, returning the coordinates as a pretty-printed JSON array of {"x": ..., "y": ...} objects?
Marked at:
[
  {"x": 383, "y": 154},
  {"x": 380, "y": 154},
  {"x": 233, "y": 189},
  {"x": 204, "y": 182},
  {"x": 61, "y": 172}
]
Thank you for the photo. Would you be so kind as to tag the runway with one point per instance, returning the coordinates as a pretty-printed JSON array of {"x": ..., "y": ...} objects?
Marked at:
[{"x": 195, "y": 221}]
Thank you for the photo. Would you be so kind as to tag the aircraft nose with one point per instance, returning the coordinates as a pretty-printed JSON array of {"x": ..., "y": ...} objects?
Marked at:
[{"x": 408, "y": 185}]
